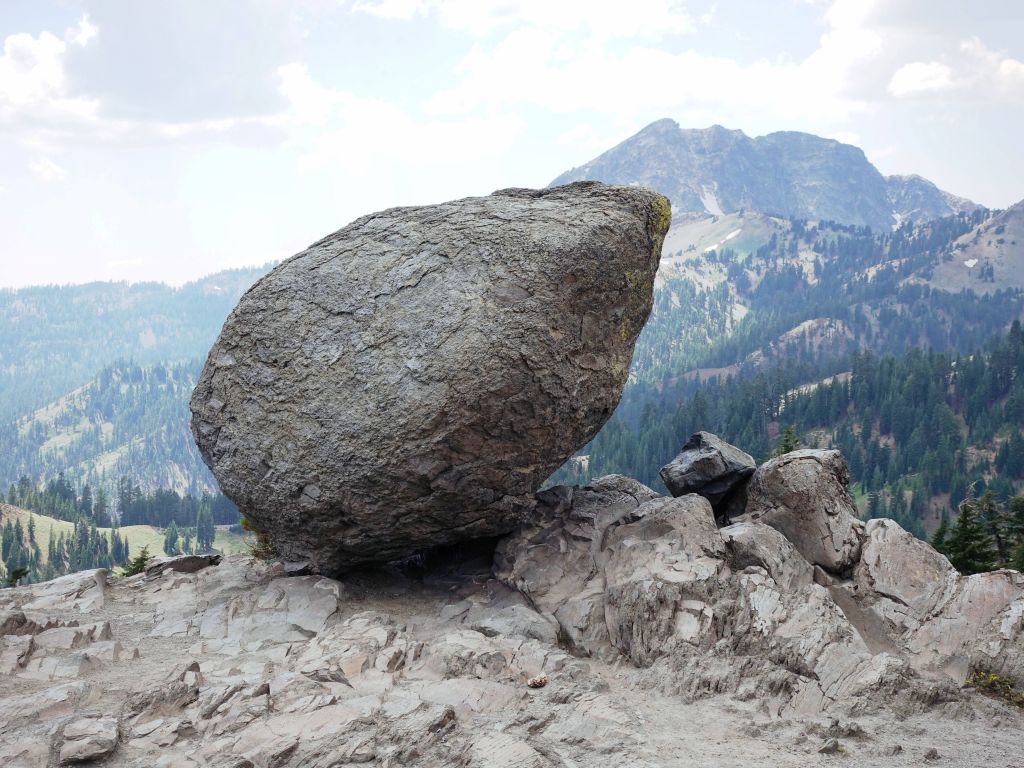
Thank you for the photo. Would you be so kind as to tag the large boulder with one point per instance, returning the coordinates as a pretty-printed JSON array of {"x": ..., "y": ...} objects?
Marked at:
[
  {"x": 411, "y": 379},
  {"x": 709, "y": 466},
  {"x": 803, "y": 495}
]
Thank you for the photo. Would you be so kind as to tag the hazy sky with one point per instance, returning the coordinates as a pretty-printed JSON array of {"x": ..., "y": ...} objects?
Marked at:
[{"x": 166, "y": 140}]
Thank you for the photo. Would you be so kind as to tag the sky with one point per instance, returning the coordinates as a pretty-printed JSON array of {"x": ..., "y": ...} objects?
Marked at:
[{"x": 169, "y": 140}]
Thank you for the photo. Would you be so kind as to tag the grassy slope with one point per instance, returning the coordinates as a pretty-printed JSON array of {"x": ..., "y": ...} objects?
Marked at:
[
  {"x": 138, "y": 535},
  {"x": 999, "y": 242}
]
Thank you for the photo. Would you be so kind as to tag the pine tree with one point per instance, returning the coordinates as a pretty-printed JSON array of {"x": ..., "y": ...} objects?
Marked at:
[
  {"x": 993, "y": 517},
  {"x": 205, "y": 530},
  {"x": 939, "y": 537},
  {"x": 171, "y": 539},
  {"x": 788, "y": 443},
  {"x": 137, "y": 564},
  {"x": 969, "y": 548}
]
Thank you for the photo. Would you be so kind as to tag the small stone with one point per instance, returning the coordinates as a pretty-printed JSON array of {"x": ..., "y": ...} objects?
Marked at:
[
  {"x": 709, "y": 466},
  {"x": 831, "y": 747},
  {"x": 88, "y": 739},
  {"x": 537, "y": 682},
  {"x": 932, "y": 754}
]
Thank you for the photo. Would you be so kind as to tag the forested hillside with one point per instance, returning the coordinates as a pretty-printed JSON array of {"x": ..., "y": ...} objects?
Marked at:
[
  {"x": 53, "y": 529},
  {"x": 128, "y": 421},
  {"x": 721, "y": 307},
  {"x": 921, "y": 431},
  {"x": 54, "y": 339}
]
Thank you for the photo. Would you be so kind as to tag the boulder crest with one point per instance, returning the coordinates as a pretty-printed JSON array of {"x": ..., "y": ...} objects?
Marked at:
[
  {"x": 804, "y": 495},
  {"x": 709, "y": 466},
  {"x": 411, "y": 379}
]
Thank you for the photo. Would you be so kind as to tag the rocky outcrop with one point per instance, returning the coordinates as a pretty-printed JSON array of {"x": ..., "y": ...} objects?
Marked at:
[
  {"x": 804, "y": 496},
  {"x": 711, "y": 467},
  {"x": 744, "y": 609},
  {"x": 411, "y": 379},
  {"x": 615, "y": 610},
  {"x": 942, "y": 621}
]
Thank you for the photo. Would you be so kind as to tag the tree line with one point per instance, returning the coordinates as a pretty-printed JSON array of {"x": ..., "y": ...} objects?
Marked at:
[
  {"x": 922, "y": 431},
  {"x": 987, "y": 534},
  {"x": 97, "y": 540},
  {"x": 131, "y": 505}
]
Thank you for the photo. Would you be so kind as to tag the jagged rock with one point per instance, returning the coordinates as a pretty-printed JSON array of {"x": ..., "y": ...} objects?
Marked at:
[
  {"x": 709, "y": 466},
  {"x": 742, "y": 609},
  {"x": 759, "y": 545},
  {"x": 804, "y": 496},
  {"x": 655, "y": 579},
  {"x": 554, "y": 559},
  {"x": 411, "y": 379},
  {"x": 907, "y": 598},
  {"x": 285, "y": 671},
  {"x": 662, "y": 578},
  {"x": 903, "y": 577},
  {"x": 88, "y": 739}
]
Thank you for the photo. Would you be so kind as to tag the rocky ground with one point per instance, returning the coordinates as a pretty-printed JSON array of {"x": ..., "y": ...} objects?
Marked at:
[
  {"x": 618, "y": 628},
  {"x": 239, "y": 664}
]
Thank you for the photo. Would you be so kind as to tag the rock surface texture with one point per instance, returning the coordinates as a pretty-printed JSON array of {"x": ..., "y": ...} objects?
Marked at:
[
  {"x": 743, "y": 609},
  {"x": 618, "y": 628},
  {"x": 411, "y": 379},
  {"x": 708, "y": 465},
  {"x": 804, "y": 496}
]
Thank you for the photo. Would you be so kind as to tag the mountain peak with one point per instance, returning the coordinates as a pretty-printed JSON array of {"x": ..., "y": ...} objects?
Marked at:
[
  {"x": 665, "y": 124},
  {"x": 789, "y": 173}
]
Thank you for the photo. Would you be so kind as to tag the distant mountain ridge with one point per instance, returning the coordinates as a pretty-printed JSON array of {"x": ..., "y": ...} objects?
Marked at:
[
  {"x": 55, "y": 338},
  {"x": 788, "y": 173}
]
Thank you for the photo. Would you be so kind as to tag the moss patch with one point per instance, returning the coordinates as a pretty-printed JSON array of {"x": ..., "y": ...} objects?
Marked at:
[{"x": 998, "y": 687}]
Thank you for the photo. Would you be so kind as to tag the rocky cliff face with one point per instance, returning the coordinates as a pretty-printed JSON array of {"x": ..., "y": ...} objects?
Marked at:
[
  {"x": 916, "y": 199},
  {"x": 617, "y": 627},
  {"x": 786, "y": 173},
  {"x": 411, "y": 379}
]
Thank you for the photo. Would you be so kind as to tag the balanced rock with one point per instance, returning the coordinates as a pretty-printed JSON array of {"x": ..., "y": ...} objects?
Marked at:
[
  {"x": 709, "y": 466},
  {"x": 804, "y": 496},
  {"x": 411, "y": 379}
]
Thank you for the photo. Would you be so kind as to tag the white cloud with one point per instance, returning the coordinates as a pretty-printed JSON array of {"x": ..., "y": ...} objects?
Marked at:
[
  {"x": 46, "y": 170},
  {"x": 83, "y": 32},
  {"x": 991, "y": 70},
  {"x": 392, "y": 9},
  {"x": 333, "y": 130},
  {"x": 31, "y": 69},
  {"x": 975, "y": 73},
  {"x": 33, "y": 83},
  {"x": 563, "y": 72},
  {"x": 920, "y": 77},
  {"x": 647, "y": 18}
]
